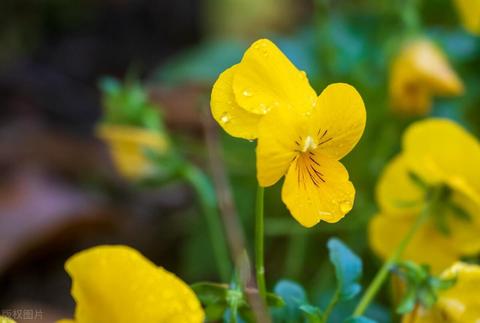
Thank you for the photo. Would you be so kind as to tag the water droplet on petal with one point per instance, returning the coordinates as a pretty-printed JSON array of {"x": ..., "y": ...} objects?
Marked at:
[
  {"x": 247, "y": 93},
  {"x": 264, "y": 108},
  {"x": 225, "y": 118},
  {"x": 303, "y": 75},
  {"x": 345, "y": 206}
]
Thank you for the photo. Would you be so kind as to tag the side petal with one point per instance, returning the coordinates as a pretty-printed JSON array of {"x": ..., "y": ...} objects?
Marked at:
[
  {"x": 236, "y": 121},
  {"x": 317, "y": 189},
  {"x": 107, "y": 280},
  {"x": 440, "y": 150},
  {"x": 279, "y": 133},
  {"x": 339, "y": 118},
  {"x": 266, "y": 78},
  {"x": 396, "y": 192}
]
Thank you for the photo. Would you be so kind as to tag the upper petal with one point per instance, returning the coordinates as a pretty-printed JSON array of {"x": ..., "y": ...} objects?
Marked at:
[
  {"x": 439, "y": 150},
  {"x": 266, "y": 79},
  {"x": 117, "y": 284},
  {"x": 235, "y": 120},
  {"x": 339, "y": 119},
  {"x": 317, "y": 188}
]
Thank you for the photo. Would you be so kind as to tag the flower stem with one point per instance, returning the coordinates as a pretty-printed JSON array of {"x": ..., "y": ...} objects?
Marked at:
[
  {"x": 208, "y": 201},
  {"x": 395, "y": 256},
  {"x": 259, "y": 237},
  {"x": 331, "y": 305}
]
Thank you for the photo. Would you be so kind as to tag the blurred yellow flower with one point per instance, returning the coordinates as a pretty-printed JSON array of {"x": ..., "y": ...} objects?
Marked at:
[
  {"x": 116, "y": 284},
  {"x": 459, "y": 304},
  {"x": 299, "y": 134},
  {"x": 418, "y": 72},
  {"x": 4, "y": 319},
  {"x": 128, "y": 145},
  {"x": 440, "y": 154},
  {"x": 469, "y": 11}
]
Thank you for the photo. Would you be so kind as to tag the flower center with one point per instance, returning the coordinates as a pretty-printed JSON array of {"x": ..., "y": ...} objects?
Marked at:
[{"x": 309, "y": 144}]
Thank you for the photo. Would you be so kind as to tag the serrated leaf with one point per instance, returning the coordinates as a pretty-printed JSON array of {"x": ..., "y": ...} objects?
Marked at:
[{"x": 348, "y": 269}]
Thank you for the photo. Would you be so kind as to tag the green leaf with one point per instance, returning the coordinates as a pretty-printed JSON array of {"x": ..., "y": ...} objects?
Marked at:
[
  {"x": 294, "y": 296},
  {"x": 407, "y": 304},
  {"x": 274, "y": 300},
  {"x": 312, "y": 313},
  {"x": 210, "y": 293},
  {"x": 348, "y": 269}
]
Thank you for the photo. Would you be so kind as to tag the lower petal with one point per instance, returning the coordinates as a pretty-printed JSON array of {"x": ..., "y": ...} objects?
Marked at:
[{"x": 317, "y": 189}]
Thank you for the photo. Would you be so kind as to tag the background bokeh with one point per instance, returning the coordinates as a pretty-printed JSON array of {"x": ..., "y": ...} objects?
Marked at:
[{"x": 59, "y": 191}]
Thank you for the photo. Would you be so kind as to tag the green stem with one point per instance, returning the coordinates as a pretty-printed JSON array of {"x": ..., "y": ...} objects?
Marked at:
[
  {"x": 208, "y": 201},
  {"x": 331, "y": 305},
  {"x": 395, "y": 256},
  {"x": 259, "y": 236}
]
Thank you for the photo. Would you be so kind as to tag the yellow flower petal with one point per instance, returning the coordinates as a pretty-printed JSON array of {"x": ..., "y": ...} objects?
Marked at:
[
  {"x": 279, "y": 133},
  {"x": 439, "y": 150},
  {"x": 117, "y": 284},
  {"x": 418, "y": 72},
  {"x": 236, "y": 121},
  {"x": 128, "y": 145},
  {"x": 317, "y": 188},
  {"x": 4, "y": 319},
  {"x": 396, "y": 192},
  {"x": 469, "y": 11},
  {"x": 340, "y": 117},
  {"x": 458, "y": 304},
  {"x": 464, "y": 233},
  {"x": 266, "y": 79},
  {"x": 428, "y": 245}
]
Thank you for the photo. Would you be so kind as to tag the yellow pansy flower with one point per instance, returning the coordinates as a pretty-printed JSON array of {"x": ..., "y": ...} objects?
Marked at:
[
  {"x": 469, "y": 11},
  {"x": 434, "y": 151},
  {"x": 300, "y": 135},
  {"x": 418, "y": 72},
  {"x": 459, "y": 304},
  {"x": 128, "y": 145},
  {"x": 4, "y": 319},
  {"x": 116, "y": 284}
]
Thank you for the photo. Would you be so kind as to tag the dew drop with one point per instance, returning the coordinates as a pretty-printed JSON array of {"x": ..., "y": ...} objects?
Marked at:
[
  {"x": 264, "y": 108},
  {"x": 247, "y": 93},
  {"x": 225, "y": 118}
]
